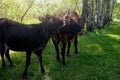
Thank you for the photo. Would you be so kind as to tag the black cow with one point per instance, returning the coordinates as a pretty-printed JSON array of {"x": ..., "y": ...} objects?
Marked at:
[{"x": 29, "y": 38}]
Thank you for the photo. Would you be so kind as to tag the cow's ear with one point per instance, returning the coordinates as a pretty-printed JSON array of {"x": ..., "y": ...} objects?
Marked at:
[
  {"x": 41, "y": 18},
  {"x": 4, "y": 20},
  {"x": 51, "y": 20}
]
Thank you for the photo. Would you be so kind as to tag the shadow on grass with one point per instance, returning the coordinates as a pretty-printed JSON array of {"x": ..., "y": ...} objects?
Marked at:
[{"x": 98, "y": 59}]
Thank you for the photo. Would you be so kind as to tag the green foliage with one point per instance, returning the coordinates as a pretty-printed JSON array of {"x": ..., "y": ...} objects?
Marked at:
[
  {"x": 116, "y": 14},
  {"x": 10, "y": 9},
  {"x": 16, "y": 8},
  {"x": 98, "y": 59}
]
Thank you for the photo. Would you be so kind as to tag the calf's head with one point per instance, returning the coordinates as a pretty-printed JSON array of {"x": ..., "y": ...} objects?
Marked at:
[
  {"x": 71, "y": 24},
  {"x": 51, "y": 23}
]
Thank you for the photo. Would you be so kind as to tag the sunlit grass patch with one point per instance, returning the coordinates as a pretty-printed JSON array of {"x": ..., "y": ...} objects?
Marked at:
[{"x": 117, "y": 37}]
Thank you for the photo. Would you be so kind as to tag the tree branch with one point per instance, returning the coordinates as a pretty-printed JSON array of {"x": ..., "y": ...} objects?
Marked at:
[{"x": 27, "y": 10}]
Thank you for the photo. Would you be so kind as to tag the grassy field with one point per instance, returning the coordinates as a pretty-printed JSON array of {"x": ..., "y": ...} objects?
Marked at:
[{"x": 98, "y": 59}]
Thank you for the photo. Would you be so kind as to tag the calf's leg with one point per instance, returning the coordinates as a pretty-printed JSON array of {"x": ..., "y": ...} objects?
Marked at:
[
  {"x": 63, "y": 49},
  {"x": 68, "y": 49},
  {"x": 56, "y": 49},
  {"x": 28, "y": 55},
  {"x": 2, "y": 51},
  {"x": 39, "y": 55},
  {"x": 75, "y": 44},
  {"x": 8, "y": 56}
]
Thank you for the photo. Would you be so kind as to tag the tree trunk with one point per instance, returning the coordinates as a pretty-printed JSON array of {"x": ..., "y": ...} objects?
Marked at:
[
  {"x": 100, "y": 13},
  {"x": 84, "y": 13},
  {"x": 107, "y": 11},
  {"x": 96, "y": 13},
  {"x": 90, "y": 23}
]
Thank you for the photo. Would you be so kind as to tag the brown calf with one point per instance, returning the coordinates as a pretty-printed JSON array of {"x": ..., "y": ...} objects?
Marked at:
[{"x": 67, "y": 34}]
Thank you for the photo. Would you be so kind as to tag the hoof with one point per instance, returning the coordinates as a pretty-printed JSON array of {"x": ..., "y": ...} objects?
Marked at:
[
  {"x": 12, "y": 65},
  {"x": 24, "y": 78},
  {"x": 64, "y": 64},
  {"x": 45, "y": 73},
  {"x": 58, "y": 59},
  {"x": 76, "y": 52},
  {"x": 3, "y": 65},
  {"x": 67, "y": 55}
]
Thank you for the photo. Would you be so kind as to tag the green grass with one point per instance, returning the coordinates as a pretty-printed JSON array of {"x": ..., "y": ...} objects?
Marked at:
[{"x": 98, "y": 59}]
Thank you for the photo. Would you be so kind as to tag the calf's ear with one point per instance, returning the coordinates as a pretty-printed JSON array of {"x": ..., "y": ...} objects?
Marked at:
[
  {"x": 41, "y": 18},
  {"x": 51, "y": 20}
]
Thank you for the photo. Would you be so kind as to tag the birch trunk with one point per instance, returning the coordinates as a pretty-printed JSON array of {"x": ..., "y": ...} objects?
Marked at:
[
  {"x": 84, "y": 14},
  {"x": 90, "y": 23}
]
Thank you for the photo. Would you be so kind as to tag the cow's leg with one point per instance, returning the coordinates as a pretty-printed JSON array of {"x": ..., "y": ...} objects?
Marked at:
[
  {"x": 2, "y": 50},
  {"x": 8, "y": 56},
  {"x": 63, "y": 49},
  {"x": 75, "y": 44},
  {"x": 39, "y": 55},
  {"x": 56, "y": 49},
  {"x": 28, "y": 55},
  {"x": 68, "y": 49}
]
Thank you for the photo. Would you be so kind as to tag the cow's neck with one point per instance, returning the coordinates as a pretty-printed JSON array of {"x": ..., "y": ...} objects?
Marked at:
[
  {"x": 45, "y": 31},
  {"x": 48, "y": 30}
]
